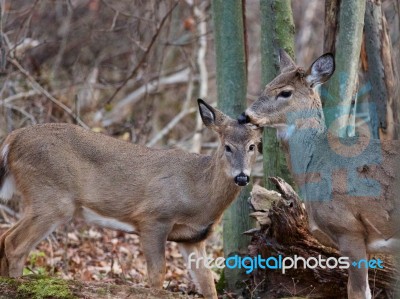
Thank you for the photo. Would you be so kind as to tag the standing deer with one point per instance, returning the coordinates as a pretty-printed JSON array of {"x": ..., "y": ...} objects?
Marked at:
[
  {"x": 347, "y": 184},
  {"x": 63, "y": 171}
]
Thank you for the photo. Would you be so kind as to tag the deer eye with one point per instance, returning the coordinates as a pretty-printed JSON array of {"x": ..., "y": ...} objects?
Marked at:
[
  {"x": 285, "y": 94},
  {"x": 228, "y": 149},
  {"x": 251, "y": 147}
]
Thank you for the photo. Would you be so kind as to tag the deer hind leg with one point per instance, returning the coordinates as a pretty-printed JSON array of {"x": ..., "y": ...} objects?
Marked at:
[
  {"x": 202, "y": 276},
  {"x": 42, "y": 215},
  {"x": 354, "y": 247},
  {"x": 3, "y": 259},
  {"x": 153, "y": 238},
  {"x": 20, "y": 241}
]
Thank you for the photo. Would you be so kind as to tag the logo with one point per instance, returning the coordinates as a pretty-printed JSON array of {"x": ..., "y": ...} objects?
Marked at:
[
  {"x": 249, "y": 264},
  {"x": 317, "y": 156}
]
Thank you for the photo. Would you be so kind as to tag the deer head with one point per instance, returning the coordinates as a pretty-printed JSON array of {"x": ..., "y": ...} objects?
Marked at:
[
  {"x": 238, "y": 142},
  {"x": 293, "y": 90}
]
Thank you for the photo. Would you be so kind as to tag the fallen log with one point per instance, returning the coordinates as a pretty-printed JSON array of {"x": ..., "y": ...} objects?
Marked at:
[{"x": 283, "y": 230}]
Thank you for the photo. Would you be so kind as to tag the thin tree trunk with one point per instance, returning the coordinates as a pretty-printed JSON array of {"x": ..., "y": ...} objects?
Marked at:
[
  {"x": 277, "y": 31},
  {"x": 232, "y": 85},
  {"x": 380, "y": 70},
  {"x": 338, "y": 95},
  {"x": 331, "y": 24}
]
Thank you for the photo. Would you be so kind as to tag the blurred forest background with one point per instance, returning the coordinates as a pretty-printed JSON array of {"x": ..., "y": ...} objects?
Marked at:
[{"x": 133, "y": 70}]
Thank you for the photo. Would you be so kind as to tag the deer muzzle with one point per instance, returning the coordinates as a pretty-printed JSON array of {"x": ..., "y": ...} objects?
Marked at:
[
  {"x": 243, "y": 118},
  {"x": 242, "y": 179}
]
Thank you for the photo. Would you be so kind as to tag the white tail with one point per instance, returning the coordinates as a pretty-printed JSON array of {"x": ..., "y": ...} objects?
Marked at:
[
  {"x": 348, "y": 184},
  {"x": 63, "y": 171},
  {"x": 7, "y": 182}
]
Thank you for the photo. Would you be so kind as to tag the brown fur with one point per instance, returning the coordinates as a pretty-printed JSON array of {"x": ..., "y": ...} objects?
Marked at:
[
  {"x": 62, "y": 169},
  {"x": 349, "y": 223}
]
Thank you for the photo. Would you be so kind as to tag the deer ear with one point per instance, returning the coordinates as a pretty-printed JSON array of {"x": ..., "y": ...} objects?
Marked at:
[
  {"x": 206, "y": 112},
  {"x": 321, "y": 70},
  {"x": 286, "y": 62},
  {"x": 211, "y": 117}
]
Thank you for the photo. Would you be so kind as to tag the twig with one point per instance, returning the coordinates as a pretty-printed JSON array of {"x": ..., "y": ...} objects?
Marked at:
[
  {"x": 39, "y": 88},
  {"x": 51, "y": 255},
  {"x": 144, "y": 56},
  {"x": 66, "y": 26},
  {"x": 119, "y": 110},
  {"x": 255, "y": 288},
  {"x": 185, "y": 111},
  {"x": 22, "y": 111},
  {"x": 114, "y": 21},
  {"x": 125, "y": 14},
  {"x": 9, "y": 211},
  {"x": 20, "y": 95},
  {"x": 2, "y": 47}
]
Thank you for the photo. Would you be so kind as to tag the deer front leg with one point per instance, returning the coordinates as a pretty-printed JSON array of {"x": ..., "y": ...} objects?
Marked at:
[
  {"x": 153, "y": 238},
  {"x": 202, "y": 276},
  {"x": 354, "y": 247}
]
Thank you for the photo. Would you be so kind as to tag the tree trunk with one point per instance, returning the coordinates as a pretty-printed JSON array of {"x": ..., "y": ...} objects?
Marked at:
[
  {"x": 232, "y": 85},
  {"x": 331, "y": 25},
  {"x": 277, "y": 31},
  {"x": 392, "y": 13},
  {"x": 381, "y": 71},
  {"x": 338, "y": 95}
]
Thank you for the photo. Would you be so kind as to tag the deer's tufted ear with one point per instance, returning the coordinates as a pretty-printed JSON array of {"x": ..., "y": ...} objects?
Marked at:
[
  {"x": 212, "y": 117},
  {"x": 321, "y": 70},
  {"x": 286, "y": 63}
]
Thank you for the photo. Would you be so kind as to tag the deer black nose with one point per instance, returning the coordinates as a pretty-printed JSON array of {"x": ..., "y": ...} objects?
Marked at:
[
  {"x": 241, "y": 179},
  {"x": 243, "y": 118}
]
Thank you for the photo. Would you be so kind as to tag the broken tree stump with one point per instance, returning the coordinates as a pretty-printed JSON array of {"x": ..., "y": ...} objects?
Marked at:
[{"x": 284, "y": 231}]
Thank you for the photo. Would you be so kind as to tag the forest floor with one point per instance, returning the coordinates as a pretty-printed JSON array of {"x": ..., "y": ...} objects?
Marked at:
[
  {"x": 41, "y": 287},
  {"x": 93, "y": 260}
]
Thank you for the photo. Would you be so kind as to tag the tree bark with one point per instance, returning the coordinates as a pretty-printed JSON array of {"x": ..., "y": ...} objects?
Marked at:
[
  {"x": 338, "y": 95},
  {"x": 232, "y": 86},
  {"x": 331, "y": 25},
  {"x": 381, "y": 71},
  {"x": 277, "y": 31}
]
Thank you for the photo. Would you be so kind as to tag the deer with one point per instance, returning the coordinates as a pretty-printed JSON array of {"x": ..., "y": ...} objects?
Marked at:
[
  {"x": 347, "y": 183},
  {"x": 64, "y": 172}
]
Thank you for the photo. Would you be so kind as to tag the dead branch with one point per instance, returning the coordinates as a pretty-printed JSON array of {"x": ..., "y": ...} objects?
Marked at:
[
  {"x": 120, "y": 110},
  {"x": 47, "y": 94},
  {"x": 185, "y": 111},
  {"x": 22, "y": 111},
  {"x": 20, "y": 95},
  {"x": 144, "y": 56}
]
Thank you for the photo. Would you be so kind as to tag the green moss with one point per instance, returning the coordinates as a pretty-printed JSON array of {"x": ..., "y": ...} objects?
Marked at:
[
  {"x": 7, "y": 287},
  {"x": 44, "y": 287},
  {"x": 8, "y": 281}
]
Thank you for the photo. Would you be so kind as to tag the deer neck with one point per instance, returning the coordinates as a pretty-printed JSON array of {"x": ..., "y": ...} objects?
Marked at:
[
  {"x": 222, "y": 189},
  {"x": 300, "y": 136}
]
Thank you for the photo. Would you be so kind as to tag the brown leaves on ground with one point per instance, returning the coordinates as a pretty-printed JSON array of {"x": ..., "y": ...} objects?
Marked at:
[{"x": 91, "y": 254}]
